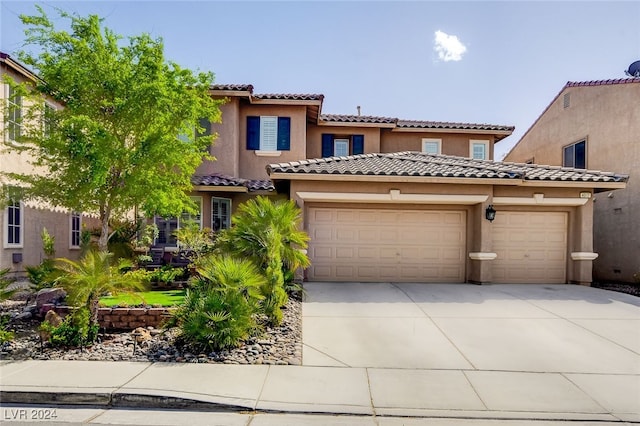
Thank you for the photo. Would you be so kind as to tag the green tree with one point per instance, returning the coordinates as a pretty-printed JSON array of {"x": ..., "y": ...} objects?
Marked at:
[
  {"x": 93, "y": 276},
  {"x": 131, "y": 131}
]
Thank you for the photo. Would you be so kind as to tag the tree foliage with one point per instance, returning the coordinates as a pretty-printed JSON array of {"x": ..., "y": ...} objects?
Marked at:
[{"x": 128, "y": 130}]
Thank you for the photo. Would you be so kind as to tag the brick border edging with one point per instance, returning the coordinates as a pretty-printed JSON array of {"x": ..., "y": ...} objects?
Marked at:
[{"x": 120, "y": 318}]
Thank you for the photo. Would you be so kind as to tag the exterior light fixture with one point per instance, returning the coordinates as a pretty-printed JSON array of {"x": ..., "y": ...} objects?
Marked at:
[{"x": 490, "y": 213}]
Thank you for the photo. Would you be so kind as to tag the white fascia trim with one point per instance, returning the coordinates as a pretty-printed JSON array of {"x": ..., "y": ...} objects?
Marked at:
[
  {"x": 394, "y": 196},
  {"x": 539, "y": 200}
]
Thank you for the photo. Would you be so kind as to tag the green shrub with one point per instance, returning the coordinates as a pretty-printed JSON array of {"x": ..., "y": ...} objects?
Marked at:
[
  {"x": 74, "y": 330},
  {"x": 42, "y": 275},
  {"x": 166, "y": 274},
  {"x": 5, "y": 293},
  {"x": 219, "y": 310},
  {"x": 6, "y": 335}
]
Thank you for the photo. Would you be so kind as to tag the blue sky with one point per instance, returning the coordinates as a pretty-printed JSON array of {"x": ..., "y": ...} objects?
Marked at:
[{"x": 476, "y": 62}]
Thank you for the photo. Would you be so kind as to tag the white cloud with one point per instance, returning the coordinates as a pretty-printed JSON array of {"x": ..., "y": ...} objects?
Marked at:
[{"x": 449, "y": 48}]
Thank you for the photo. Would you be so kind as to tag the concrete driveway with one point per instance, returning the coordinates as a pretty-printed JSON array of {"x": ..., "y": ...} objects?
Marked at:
[{"x": 498, "y": 328}]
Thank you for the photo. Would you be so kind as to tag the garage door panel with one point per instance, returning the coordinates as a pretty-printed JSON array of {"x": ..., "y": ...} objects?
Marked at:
[
  {"x": 389, "y": 245},
  {"x": 531, "y": 247}
]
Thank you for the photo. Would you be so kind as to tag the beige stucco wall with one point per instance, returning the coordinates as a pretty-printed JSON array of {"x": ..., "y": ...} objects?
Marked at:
[
  {"x": 314, "y": 137},
  {"x": 452, "y": 144},
  {"x": 608, "y": 117},
  {"x": 479, "y": 231},
  {"x": 253, "y": 166},
  {"x": 226, "y": 146}
]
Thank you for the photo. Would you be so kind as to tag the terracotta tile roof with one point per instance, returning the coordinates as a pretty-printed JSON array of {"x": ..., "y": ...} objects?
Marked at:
[
  {"x": 428, "y": 165},
  {"x": 289, "y": 96},
  {"x": 218, "y": 179},
  {"x": 602, "y": 82},
  {"x": 233, "y": 87},
  {"x": 337, "y": 118},
  {"x": 450, "y": 125}
]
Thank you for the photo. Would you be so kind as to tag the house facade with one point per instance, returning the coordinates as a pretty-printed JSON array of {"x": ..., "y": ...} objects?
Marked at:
[
  {"x": 21, "y": 223},
  {"x": 596, "y": 125},
  {"x": 385, "y": 199}
]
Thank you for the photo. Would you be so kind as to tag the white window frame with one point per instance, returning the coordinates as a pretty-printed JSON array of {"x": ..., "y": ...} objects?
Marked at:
[
  {"x": 341, "y": 144},
  {"x": 73, "y": 231},
  {"x": 474, "y": 143},
  {"x": 269, "y": 133},
  {"x": 10, "y": 206},
  {"x": 430, "y": 142},
  {"x": 226, "y": 222},
  {"x": 46, "y": 130},
  {"x": 11, "y": 122}
]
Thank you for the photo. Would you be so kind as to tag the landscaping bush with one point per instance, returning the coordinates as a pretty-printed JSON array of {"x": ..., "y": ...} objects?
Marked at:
[
  {"x": 219, "y": 310},
  {"x": 75, "y": 330},
  {"x": 6, "y": 335},
  {"x": 269, "y": 233}
]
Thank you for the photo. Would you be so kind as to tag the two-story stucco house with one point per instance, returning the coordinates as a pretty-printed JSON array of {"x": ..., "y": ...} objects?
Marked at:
[
  {"x": 596, "y": 125},
  {"x": 386, "y": 199},
  {"x": 21, "y": 223}
]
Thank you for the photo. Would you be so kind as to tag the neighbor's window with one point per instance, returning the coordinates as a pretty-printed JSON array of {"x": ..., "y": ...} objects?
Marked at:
[
  {"x": 268, "y": 133},
  {"x": 432, "y": 146},
  {"x": 479, "y": 149},
  {"x": 76, "y": 229},
  {"x": 14, "y": 114},
  {"x": 167, "y": 226},
  {"x": 220, "y": 213},
  {"x": 47, "y": 118},
  {"x": 13, "y": 219},
  {"x": 575, "y": 155},
  {"x": 342, "y": 146}
]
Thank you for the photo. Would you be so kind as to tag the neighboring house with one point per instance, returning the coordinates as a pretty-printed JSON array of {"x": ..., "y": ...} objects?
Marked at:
[
  {"x": 385, "y": 199},
  {"x": 595, "y": 125},
  {"x": 21, "y": 223}
]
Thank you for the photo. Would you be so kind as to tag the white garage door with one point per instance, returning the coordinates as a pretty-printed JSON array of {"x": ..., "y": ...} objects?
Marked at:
[
  {"x": 531, "y": 247},
  {"x": 371, "y": 245}
]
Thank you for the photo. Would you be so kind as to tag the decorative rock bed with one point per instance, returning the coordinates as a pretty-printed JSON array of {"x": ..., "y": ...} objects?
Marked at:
[{"x": 280, "y": 345}]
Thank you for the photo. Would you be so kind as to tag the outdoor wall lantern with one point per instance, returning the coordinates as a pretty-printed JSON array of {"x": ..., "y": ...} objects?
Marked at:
[{"x": 490, "y": 213}]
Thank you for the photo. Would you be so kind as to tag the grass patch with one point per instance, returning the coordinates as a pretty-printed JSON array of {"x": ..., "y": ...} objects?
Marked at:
[{"x": 165, "y": 298}]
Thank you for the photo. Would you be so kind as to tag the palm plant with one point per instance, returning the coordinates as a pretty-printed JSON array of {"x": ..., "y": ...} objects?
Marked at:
[
  {"x": 269, "y": 233},
  {"x": 5, "y": 291},
  {"x": 254, "y": 219},
  {"x": 219, "y": 310},
  {"x": 93, "y": 276}
]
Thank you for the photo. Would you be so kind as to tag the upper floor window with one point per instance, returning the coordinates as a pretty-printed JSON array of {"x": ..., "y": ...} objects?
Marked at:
[
  {"x": 575, "y": 155},
  {"x": 14, "y": 113},
  {"x": 75, "y": 230},
  {"x": 432, "y": 146},
  {"x": 220, "y": 213},
  {"x": 14, "y": 228},
  {"x": 341, "y": 146},
  {"x": 479, "y": 149},
  {"x": 268, "y": 133}
]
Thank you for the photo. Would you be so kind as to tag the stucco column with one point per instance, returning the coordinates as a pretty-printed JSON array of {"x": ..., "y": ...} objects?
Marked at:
[
  {"x": 481, "y": 246},
  {"x": 581, "y": 254}
]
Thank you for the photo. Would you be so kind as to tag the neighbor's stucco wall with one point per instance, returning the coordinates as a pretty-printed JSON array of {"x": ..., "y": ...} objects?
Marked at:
[
  {"x": 226, "y": 146},
  {"x": 608, "y": 117}
]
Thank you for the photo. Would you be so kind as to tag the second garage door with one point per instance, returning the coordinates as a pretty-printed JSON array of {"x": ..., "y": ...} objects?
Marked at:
[
  {"x": 531, "y": 247},
  {"x": 369, "y": 245}
]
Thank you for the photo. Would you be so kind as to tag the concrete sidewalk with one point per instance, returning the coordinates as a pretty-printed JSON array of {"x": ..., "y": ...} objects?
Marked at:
[{"x": 309, "y": 389}]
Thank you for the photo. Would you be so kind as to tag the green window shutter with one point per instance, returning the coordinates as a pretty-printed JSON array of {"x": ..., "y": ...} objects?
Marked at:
[
  {"x": 253, "y": 133},
  {"x": 284, "y": 133},
  {"x": 327, "y": 145},
  {"x": 358, "y": 144}
]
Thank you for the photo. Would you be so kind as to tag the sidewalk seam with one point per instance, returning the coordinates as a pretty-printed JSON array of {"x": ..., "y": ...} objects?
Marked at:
[
  {"x": 264, "y": 383},
  {"x": 373, "y": 406}
]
